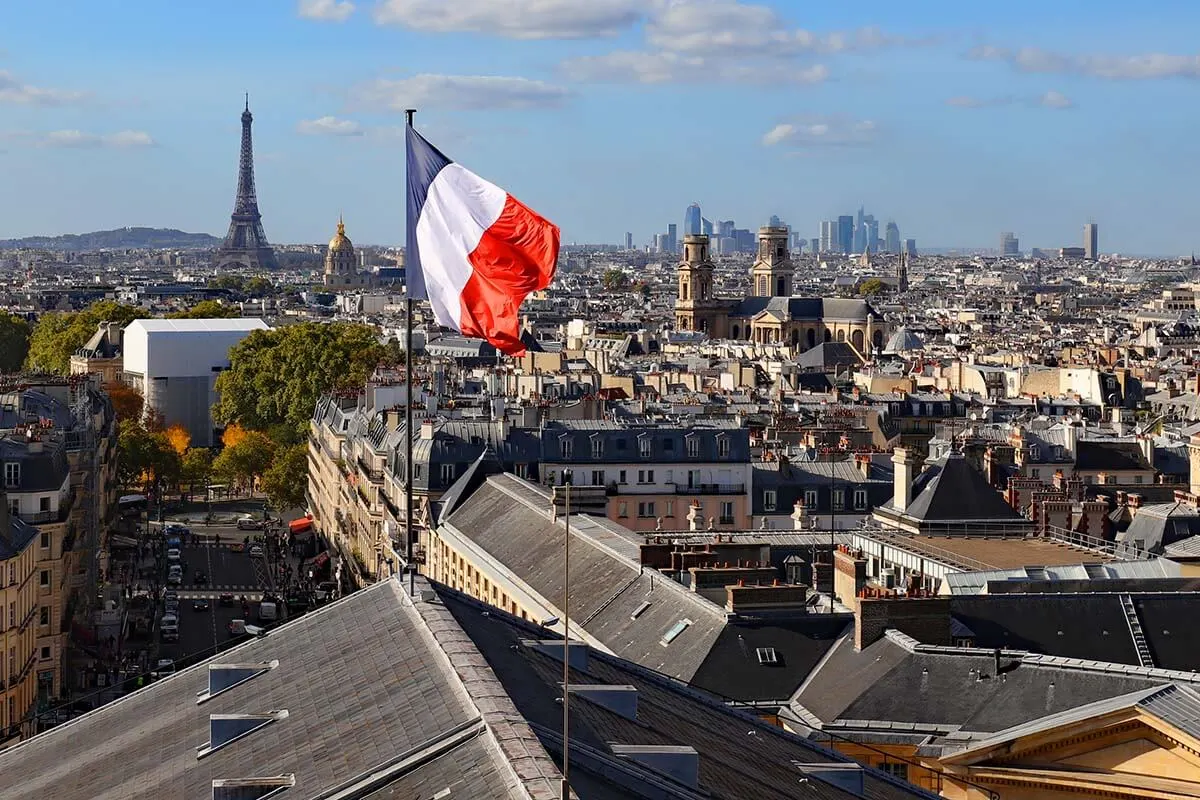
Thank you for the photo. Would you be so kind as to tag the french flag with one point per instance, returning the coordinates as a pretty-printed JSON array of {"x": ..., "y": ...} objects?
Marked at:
[{"x": 473, "y": 250}]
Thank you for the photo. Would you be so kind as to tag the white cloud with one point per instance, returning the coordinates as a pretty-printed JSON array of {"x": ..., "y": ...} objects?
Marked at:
[
  {"x": 1148, "y": 66},
  {"x": 77, "y": 138},
  {"x": 635, "y": 66},
  {"x": 1053, "y": 99},
  {"x": 329, "y": 126},
  {"x": 14, "y": 91},
  {"x": 817, "y": 130},
  {"x": 1050, "y": 99},
  {"x": 458, "y": 93},
  {"x": 325, "y": 10},
  {"x": 515, "y": 19}
]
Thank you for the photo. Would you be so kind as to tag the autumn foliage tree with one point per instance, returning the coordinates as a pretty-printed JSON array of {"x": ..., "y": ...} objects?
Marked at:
[
  {"x": 179, "y": 438},
  {"x": 127, "y": 401}
]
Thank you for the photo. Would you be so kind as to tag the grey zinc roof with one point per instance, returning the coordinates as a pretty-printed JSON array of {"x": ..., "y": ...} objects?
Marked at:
[
  {"x": 363, "y": 681},
  {"x": 959, "y": 492}
]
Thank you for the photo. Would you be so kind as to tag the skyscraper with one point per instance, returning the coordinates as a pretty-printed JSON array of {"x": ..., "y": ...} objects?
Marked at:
[
  {"x": 814, "y": 246},
  {"x": 872, "y": 233},
  {"x": 775, "y": 221},
  {"x": 672, "y": 238},
  {"x": 910, "y": 248},
  {"x": 1009, "y": 245},
  {"x": 891, "y": 242},
  {"x": 829, "y": 236},
  {"x": 246, "y": 244},
  {"x": 860, "y": 233},
  {"x": 845, "y": 234},
  {"x": 1091, "y": 241},
  {"x": 628, "y": 240},
  {"x": 692, "y": 220},
  {"x": 706, "y": 226}
]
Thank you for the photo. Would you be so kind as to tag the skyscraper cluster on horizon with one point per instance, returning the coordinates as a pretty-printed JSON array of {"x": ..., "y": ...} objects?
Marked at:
[
  {"x": 726, "y": 237},
  {"x": 859, "y": 233},
  {"x": 1010, "y": 245}
]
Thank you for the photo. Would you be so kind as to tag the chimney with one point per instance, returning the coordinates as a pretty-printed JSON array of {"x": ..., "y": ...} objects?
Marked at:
[
  {"x": 1070, "y": 438},
  {"x": 902, "y": 461},
  {"x": 1147, "y": 444},
  {"x": 1194, "y": 464},
  {"x": 426, "y": 430},
  {"x": 695, "y": 518},
  {"x": 799, "y": 516}
]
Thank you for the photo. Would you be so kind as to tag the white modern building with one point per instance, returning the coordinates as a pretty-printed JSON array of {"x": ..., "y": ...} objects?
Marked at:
[{"x": 174, "y": 363}]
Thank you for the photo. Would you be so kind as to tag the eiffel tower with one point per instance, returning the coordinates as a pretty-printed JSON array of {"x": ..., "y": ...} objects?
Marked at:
[{"x": 246, "y": 244}]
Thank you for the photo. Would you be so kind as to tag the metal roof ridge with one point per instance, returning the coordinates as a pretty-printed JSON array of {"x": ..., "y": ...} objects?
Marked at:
[{"x": 1089, "y": 665}]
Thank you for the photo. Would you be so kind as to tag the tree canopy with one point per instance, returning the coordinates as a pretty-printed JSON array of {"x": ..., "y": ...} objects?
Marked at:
[
  {"x": 614, "y": 279},
  {"x": 58, "y": 334},
  {"x": 14, "y": 342},
  {"x": 127, "y": 401},
  {"x": 871, "y": 287},
  {"x": 287, "y": 478},
  {"x": 245, "y": 461},
  {"x": 207, "y": 309},
  {"x": 147, "y": 457},
  {"x": 275, "y": 376}
]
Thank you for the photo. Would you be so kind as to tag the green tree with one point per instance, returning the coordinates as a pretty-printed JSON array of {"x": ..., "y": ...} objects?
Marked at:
[
  {"x": 14, "y": 342},
  {"x": 258, "y": 286},
  {"x": 871, "y": 287},
  {"x": 60, "y": 333},
  {"x": 147, "y": 458},
  {"x": 234, "y": 283},
  {"x": 196, "y": 467},
  {"x": 287, "y": 478},
  {"x": 245, "y": 461},
  {"x": 207, "y": 309},
  {"x": 614, "y": 279},
  {"x": 275, "y": 376}
]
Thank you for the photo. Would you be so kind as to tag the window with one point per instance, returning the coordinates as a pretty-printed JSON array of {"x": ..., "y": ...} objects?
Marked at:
[
  {"x": 14, "y": 505},
  {"x": 673, "y": 632},
  {"x": 670, "y": 512},
  {"x": 693, "y": 447},
  {"x": 723, "y": 447},
  {"x": 44, "y": 578},
  {"x": 12, "y": 475},
  {"x": 45, "y": 541},
  {"x": 448, "y": 471},
  {"x": 44, "y": 503},
  {"x": 550, "y": 477},
  {"x": 44, "y": 615},
  {"x": 1034, "y": 452},
  {"x": 646, "y": 509},
  {"x": 839, "y": 499},
  {"x": 1035, "y": 473},
  {"x": 896, "y": 770},
  {"x": 597, "y": 447},
  {"x": 621, "y": 477},
  {"x": 810, "y": 498},
  {"x": 668, "y": 445},
  {"x": 622, "y": 509},
  {"x": 766, "y": 655},
  {"x": 1137, "y": 478},
  {"x": 566, "y": 447},
  {"x": 597, "y": 477},
  {"x": 769, "y": 498},
  {"x": 964, "y": 641},
  {"x": 522, "y": 470},
  {"x": 860, "y": 499},
  {"x": 45, "y": 653},
  {"x": 644, "y": 446},
  {"x": 12, "y": 615},
  {"x": 645, "y": 476},
  {"x": 726, "y": 512}
]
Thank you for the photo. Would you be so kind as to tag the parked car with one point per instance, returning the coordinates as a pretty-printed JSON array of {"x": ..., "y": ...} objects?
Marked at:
[
  {"x": 170, "y": 594},
  {"x": 169, "y": 628},
  {"x": 200, "y": 604},
  {"x": 175, "y": 576},
  {"x": 173, "y": 554},
  {"x": 164, "y": 665}
]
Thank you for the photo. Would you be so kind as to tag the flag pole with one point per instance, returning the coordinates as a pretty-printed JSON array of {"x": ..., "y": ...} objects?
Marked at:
[
  {"x": 408, "y": 407},
  {"x": 566, "y": 767}
]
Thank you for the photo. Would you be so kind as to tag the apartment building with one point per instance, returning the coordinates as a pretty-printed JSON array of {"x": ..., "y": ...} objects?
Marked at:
[
  {"x": 58, "y": 462},
  {"x": 655, "y": 473},
  {"x": 18, "y": 636}
]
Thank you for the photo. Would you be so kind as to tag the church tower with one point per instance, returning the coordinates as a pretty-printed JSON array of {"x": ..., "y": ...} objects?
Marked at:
[
  {"x": 697, "y": 309},
  {"x": 771, "y": 275}
]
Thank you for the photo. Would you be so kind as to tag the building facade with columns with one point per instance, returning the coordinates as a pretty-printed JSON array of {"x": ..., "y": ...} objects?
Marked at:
[{"x": 771, "y": 315}]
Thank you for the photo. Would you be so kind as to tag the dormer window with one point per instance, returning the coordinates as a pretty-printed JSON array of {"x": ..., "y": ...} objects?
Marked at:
[
  {"x": 1034, "y": 453},
  {"x": 12, "y": 474},
  {"x": 644, "y": 446},
  {"x": 722, "y": 446},
  {"x": 693, "y": 447},
  {"x": 566, "y": 447},
  {"x": 597, "y": 447}
]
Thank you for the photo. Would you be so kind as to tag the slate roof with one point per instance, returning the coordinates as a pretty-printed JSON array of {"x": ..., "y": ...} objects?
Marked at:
[
  {"x": 806, "y": 308},
  {"x": 959, "y": 492},
  {"x": 1105, "y": 455},
  {"x": 740, "y": 755},
  {"x": 363, "y": 681},
  {"x": 956, "y": 689},
  {"x": 1169, "y": 623},
  {"x": 829, "y": 356}
]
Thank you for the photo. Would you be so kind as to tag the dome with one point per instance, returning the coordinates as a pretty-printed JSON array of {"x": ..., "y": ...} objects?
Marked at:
[{"x": 340, "y": 241}]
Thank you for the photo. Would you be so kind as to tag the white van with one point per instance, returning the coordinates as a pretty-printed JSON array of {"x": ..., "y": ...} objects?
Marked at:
[
  {"x": 169, "y": 628},
  {"x": 267, "y": 612}
]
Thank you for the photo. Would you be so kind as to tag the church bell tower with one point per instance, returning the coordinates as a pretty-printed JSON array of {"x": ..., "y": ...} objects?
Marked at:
[
  {"x": 771, "y": 275},
  {"x": 696, "y": 309}
]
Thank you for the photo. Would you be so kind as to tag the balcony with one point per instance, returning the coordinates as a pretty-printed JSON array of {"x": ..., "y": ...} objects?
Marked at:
[
  {"x": 44, "y": 517},
  {"x": 374, "y": 475},
  {"x": 28, "y": 619},
  {"x": 15, "y": 680},
  {"x": 711, "y": 488}
]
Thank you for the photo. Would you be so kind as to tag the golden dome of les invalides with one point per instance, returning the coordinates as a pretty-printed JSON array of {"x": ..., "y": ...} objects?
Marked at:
[{"x": 340, "y": 241}]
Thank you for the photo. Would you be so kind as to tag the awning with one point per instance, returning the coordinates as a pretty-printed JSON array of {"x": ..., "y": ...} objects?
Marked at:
[
  {"x": 121, "y": 541},
  {"x": 302, "y": 525},
  {"x": 321, "y": 560}
]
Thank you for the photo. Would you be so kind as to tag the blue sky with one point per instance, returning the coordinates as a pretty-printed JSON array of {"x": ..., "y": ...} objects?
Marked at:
[{"x": 958, "y": 120}]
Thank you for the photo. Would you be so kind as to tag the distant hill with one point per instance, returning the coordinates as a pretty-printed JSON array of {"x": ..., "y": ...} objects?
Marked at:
[{"x": 120, "y": 239}]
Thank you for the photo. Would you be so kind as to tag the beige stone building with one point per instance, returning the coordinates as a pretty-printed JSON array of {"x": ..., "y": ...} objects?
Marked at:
[{"x": 771, "y": 315}]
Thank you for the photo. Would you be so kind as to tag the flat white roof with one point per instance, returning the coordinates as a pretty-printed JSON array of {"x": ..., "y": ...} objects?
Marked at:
[{"x": 200, "y": 325}]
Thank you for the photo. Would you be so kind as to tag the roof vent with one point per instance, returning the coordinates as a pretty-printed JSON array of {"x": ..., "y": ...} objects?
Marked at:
[
  {"x": 680, "y": 763},
  {"x": 847, "y": 777},
  {"x": 251, "y": 788},
  {"x": 225, "y": 729},
  {"x": 222, "y": 677},
  {"x": 578, "y": 652},
  {"x": 621, "y": 699}
]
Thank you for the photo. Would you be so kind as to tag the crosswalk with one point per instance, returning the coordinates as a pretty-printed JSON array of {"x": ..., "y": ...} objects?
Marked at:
[
  {"x": 190, "y": 594},
  {"x": 229, "y": 587}
]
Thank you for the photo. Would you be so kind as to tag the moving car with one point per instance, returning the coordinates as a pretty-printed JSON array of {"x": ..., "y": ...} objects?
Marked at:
[
  {"x": 256, "y": 551},
  {"x": 225, "y": 599},
  {"x": 199, "y": 604},
  {"x": 200, "y": 579},
  {"x": 249, "y": 524}
]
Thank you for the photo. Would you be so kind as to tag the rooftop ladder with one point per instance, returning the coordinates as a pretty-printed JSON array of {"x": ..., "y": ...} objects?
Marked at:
[{"x": 1135, "y": 630}]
